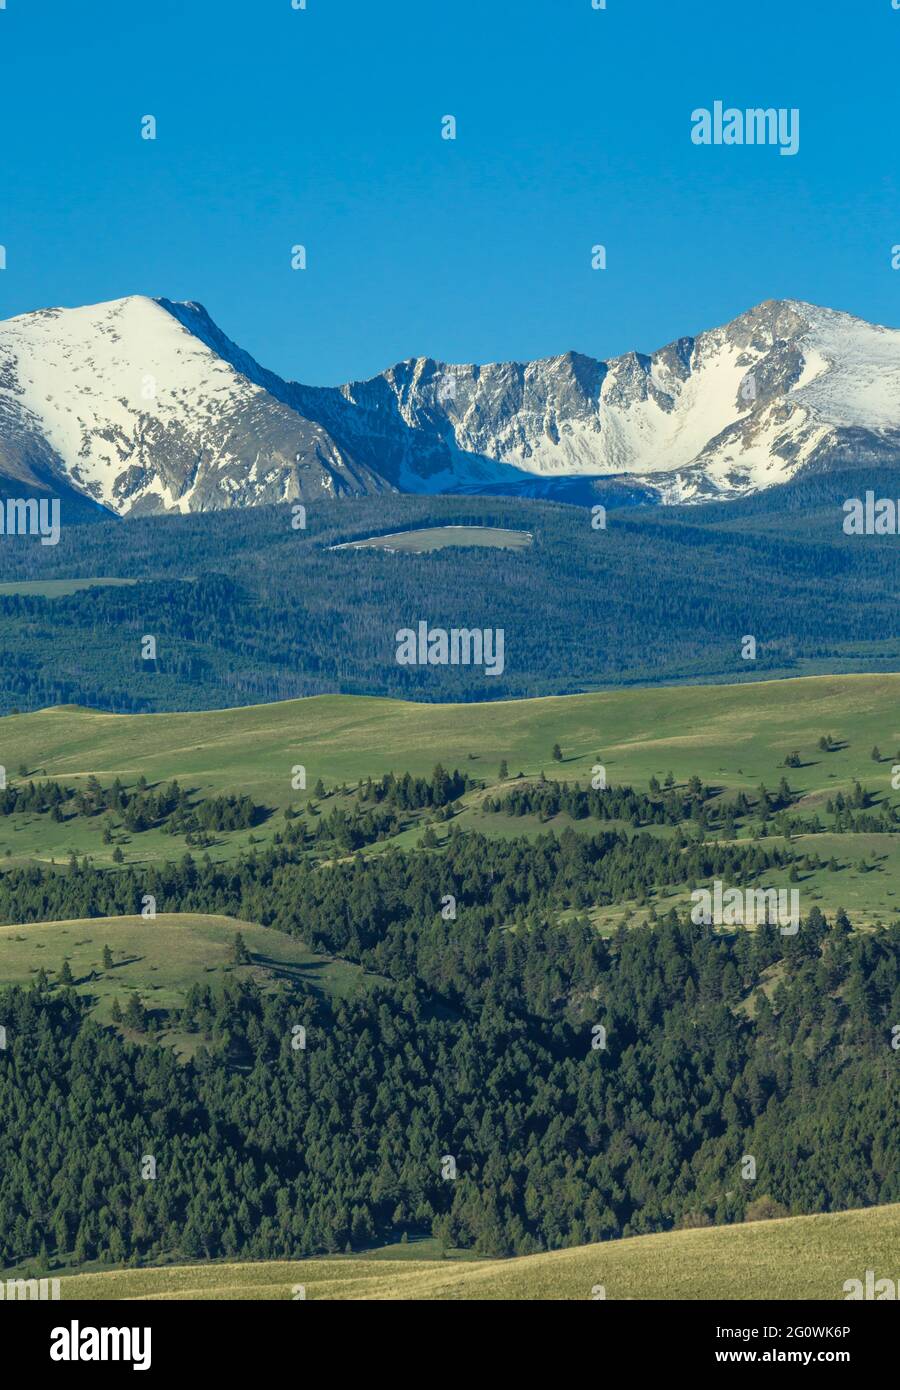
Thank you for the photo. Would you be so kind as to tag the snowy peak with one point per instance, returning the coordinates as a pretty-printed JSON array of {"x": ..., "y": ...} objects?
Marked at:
[{"x": 146, "y": 405}]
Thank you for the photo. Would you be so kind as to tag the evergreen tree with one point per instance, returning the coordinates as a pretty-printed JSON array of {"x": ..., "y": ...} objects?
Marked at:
[{"x": 135, "y": 1015}]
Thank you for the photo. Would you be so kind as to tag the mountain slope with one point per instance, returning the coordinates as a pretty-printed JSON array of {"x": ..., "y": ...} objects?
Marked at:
[
  {"x": 748, "y": 729},
  {"x": 145, "y": 405}
]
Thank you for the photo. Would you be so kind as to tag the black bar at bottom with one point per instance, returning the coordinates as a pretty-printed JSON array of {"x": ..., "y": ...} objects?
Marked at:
[{"x": 258, "y": 1337}]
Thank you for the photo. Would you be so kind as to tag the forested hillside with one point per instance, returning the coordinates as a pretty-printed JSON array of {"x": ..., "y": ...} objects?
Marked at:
[
  {"x": 244, "y": 608},
  {"x": 465, "y": 1100},
  {"x": 466, "y": 1093}
]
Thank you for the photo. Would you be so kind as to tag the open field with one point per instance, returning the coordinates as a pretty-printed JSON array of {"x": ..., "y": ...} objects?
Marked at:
[
  {"x": 805, "y": 1257},
  {"x": 441, "y": 537},
  {"x": 57, "y": 588},
  {"x": 30, "y": 836},
  {"x": 866, "y": 882}
]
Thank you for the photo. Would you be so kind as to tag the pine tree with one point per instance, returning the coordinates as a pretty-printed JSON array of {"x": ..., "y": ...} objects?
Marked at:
[{"x": 135, "y": 1014}]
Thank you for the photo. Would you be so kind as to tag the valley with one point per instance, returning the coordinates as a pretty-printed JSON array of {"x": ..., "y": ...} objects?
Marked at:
[
  {"x": 449, "y": 676},
  {"x": 448, "y": 910}
]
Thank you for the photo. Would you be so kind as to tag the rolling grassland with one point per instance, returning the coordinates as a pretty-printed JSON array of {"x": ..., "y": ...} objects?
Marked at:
[{"x": 803, "y": 1257}]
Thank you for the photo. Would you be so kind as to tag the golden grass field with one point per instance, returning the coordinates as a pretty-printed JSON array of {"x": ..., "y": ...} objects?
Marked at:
[{"x": 803, "y": 1257}]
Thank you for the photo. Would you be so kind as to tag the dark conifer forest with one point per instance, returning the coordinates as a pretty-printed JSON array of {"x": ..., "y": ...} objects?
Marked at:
[{"x": 263, "y": 1150}]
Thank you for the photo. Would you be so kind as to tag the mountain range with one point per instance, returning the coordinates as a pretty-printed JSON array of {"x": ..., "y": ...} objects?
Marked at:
[{"x": 144, "y": 405}]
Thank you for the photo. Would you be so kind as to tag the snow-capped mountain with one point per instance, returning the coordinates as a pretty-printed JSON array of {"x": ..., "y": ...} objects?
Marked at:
[
  {"x": 145, "y": 405},
  {"x": 785, "y": 386}
]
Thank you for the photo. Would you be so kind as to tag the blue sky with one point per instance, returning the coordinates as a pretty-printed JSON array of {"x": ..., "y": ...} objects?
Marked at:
[{"x": 322, "y": 127}]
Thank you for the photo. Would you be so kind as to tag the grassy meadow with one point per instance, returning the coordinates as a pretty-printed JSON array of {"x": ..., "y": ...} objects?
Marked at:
[
  {"x": 57, "y": 588},
  {"x": 735, "y": 736}
]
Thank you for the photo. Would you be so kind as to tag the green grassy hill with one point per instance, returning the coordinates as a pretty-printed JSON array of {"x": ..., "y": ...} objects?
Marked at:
[
  {"x": 736, "y": 735},
  {"x": 161, "y": 958},
  {"x": 804, "y": 1257},
  {"x": 732, "y": 737},
  {"x": 57, "y": 588}
]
